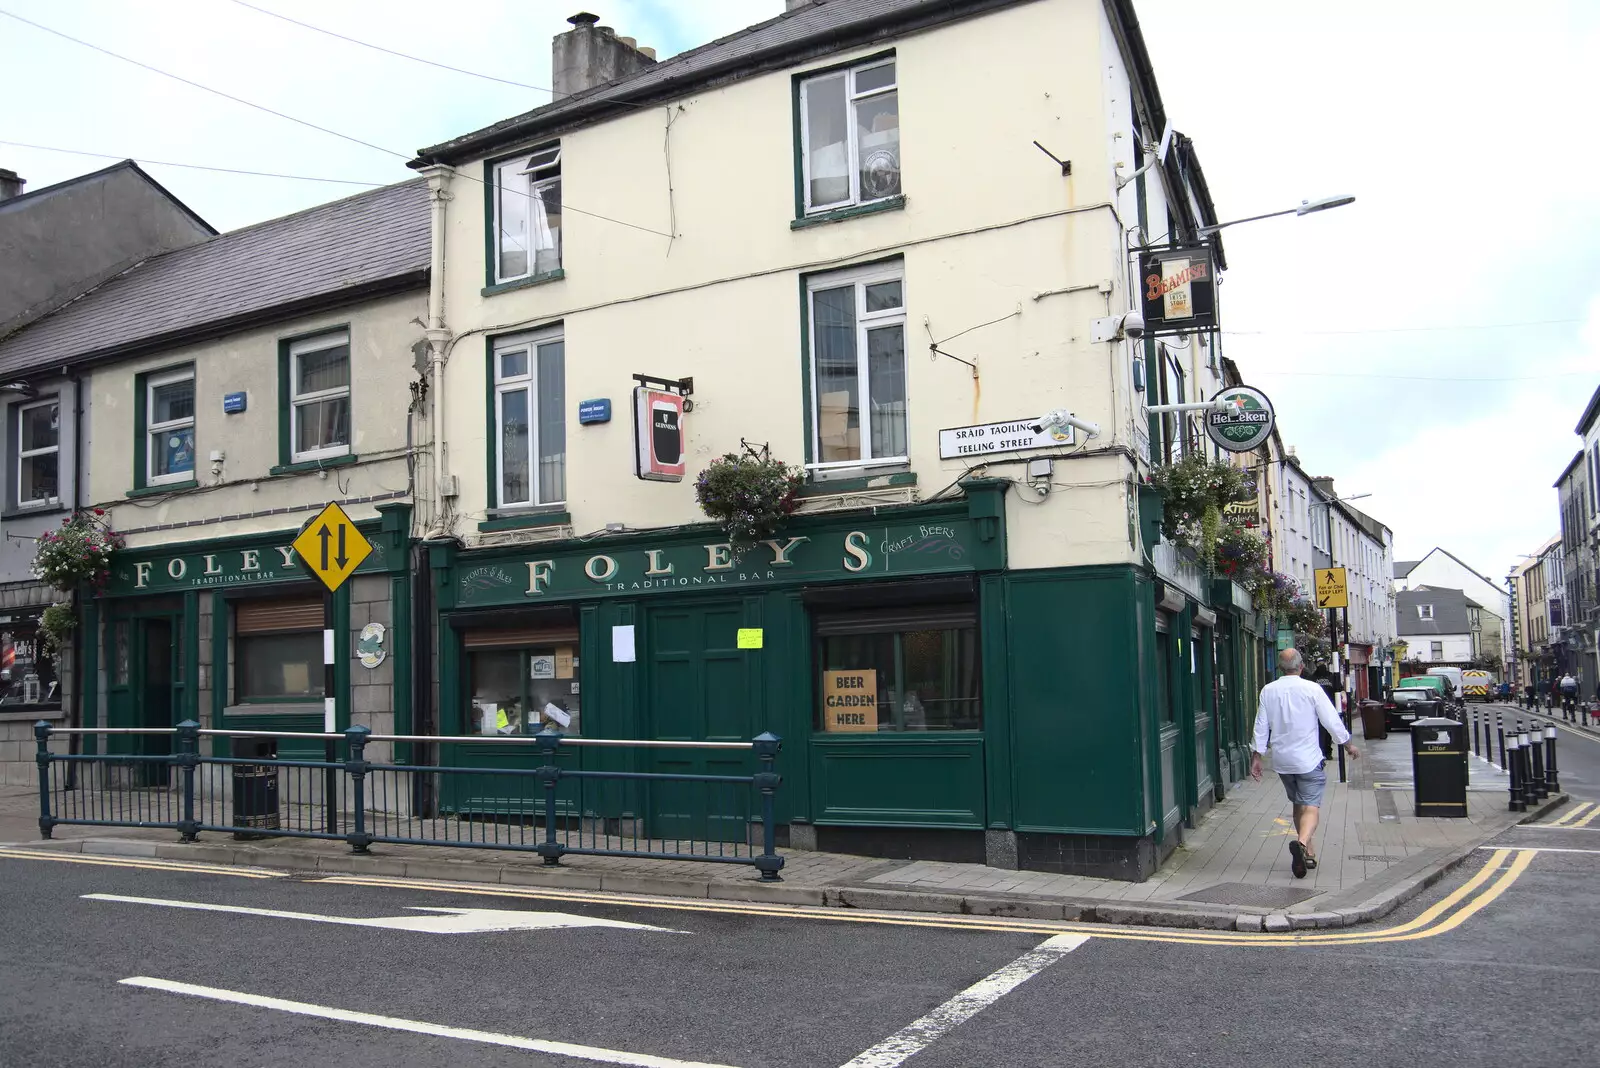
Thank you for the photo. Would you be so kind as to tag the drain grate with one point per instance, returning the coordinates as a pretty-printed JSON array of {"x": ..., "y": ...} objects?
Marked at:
[
  {"x": 1249, "y": 894},
  {"x": 1375, "y": 856}
]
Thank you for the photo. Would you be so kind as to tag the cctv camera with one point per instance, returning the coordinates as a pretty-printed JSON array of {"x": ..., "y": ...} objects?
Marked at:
[{"x": 1133, "y": 325}]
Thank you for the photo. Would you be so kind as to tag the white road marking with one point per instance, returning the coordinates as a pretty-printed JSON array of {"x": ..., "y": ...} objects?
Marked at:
[
  {"x": 915, "y": 1037},
  {"x": 445, "y": 921},
  {"x": 1542, "y": 849},
  {"x": 419, "y": 1027}
]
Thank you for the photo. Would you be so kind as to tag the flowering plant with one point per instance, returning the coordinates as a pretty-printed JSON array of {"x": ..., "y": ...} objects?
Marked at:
[
  {"x": 1194, "y": 490},
  {"x": 80, "y": 551},
  {"x": 1304, "y": 617},
  {"x": 55, "y": 628},
  {"x": 750, "y": 495}
]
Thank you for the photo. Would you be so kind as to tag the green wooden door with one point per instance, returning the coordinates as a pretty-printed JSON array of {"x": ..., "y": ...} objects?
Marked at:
[{"x": 699, "y": 689}]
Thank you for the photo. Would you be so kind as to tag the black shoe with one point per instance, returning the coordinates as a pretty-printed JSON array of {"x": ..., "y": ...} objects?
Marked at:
[{"x": 1298, "y": 864}]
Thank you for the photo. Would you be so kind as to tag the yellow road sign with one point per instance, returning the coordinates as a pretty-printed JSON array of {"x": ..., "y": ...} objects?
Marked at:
[
  {"x": 1331, "y": 592},
  {"x": 331, "y": 547}
]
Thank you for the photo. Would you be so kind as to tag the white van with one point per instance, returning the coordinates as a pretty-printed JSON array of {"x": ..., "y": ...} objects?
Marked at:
[{"x": 1456, "y": 678}]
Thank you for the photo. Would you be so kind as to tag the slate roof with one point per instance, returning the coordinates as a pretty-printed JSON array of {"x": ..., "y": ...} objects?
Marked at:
[
  {"x": 1402, "y": 568},
  {"x": 1449, "y": 612},
  {"x": 24, "y": 200},
  {"x": 251, "y": 275}
]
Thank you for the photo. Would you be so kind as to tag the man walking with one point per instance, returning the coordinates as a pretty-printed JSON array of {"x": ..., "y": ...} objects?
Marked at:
[
  {"x": 1287, "y": 721},
  {"x": 1569, "y": 694}
]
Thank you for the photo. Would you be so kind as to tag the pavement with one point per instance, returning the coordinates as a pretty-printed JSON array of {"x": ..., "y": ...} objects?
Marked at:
[
  {"x": 116, "y": 962},
  {"x": 1231, "y": 872}
]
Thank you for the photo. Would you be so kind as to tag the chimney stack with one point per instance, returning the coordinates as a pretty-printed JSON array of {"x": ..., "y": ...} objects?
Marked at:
[
  {"x": 10, "y": 184},
  {"x": 590, "y": 54}
]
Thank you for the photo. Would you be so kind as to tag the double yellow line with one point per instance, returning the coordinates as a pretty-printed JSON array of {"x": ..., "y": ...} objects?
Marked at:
[
  {"x": 1492, "y": 880},
  {"x": 1588, "y": 811}
]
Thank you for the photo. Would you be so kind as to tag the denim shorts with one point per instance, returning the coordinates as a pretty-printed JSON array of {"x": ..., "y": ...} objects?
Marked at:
[{"x": 1306, "y": 787}]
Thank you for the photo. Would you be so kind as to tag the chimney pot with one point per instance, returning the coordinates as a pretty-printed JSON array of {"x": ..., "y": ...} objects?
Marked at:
[
  {"x": 648, "y": 53},
  {"x": 10, "y": 184},
  {"x": 631, "y": 42},
  {"x": 583, "y": 18},
  {"x": 590, "y": 54}
]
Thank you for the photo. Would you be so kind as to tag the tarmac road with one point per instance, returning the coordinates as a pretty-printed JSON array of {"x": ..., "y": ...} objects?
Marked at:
[{"x": 1499, "y": 964}]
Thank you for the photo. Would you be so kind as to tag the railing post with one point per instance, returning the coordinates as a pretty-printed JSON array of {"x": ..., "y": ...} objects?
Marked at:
[
  {"x": 1550, "y": 758},
  {"x": 41, "y": 731},
  {"x": 188, "y": 759},
  {"x": 549, "y": 773},
  {"x": 767, "y": 780},
  {"x": 355, "y": 762}
]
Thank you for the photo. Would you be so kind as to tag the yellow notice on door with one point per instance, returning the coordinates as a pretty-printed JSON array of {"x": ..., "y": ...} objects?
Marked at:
[
  {"x": 749, "y": 637},
  {"x": 1331, "y": 590}
]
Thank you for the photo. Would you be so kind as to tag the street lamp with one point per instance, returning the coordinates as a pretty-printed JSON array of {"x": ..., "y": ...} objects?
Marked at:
[{"x": 1306, "y": 208}]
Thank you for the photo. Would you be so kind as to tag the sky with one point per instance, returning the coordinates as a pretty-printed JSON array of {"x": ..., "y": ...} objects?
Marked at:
[{"x": 1430, "y": 347}]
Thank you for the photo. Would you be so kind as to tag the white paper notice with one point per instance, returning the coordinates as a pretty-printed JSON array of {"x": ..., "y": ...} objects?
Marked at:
[
  {"x": 491, "y": 717},
  {"x": 622, "y": 644},
  {"x": 552, "y": 712}
]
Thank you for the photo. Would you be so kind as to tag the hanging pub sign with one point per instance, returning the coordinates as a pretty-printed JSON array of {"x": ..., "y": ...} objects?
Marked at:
[
  {"x": 658, "y": 434},
  {"x": 1245, "y": 423},
  {"x": 1177, "y": 290}
]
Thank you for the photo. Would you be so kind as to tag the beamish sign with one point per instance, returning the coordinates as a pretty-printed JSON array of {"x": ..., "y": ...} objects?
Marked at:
[{"x": 1178, "y": 290}]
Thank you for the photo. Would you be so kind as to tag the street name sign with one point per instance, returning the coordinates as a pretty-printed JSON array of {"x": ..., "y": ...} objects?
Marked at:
[
  {"x": 1331, "y": 590},
  {"x": 1017, "y": 435},
  {"x": 331, "y": 547}
]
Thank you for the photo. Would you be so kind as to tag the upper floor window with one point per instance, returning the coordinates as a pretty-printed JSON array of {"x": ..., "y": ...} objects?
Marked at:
[
  {"x": 527, "y": 209},
  {"x": 319, "y": 401},
  {"x": 858, "y": 368},
  {"x": 850, "y": 136},
  {"x": 530, "y": 381},
  {"x": 169, "y": 426},
  {"x": 38, "y": 454},
  {"x": 1424, "y": 611}
]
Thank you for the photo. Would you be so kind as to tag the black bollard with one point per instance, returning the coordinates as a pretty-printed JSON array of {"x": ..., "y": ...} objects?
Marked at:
[
  {"x": 1500, "y": 732},
  {"x": 1536, "y": 755},
  {"x": 1530, "y": 797},
  {"x": 1550, "y": 757},
  {"x": 1510, "y": 759}
]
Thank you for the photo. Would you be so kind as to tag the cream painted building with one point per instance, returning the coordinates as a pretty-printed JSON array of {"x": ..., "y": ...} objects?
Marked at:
[
  {"x": 226, "y": 393},
  {"x": 838, "y": 253}
]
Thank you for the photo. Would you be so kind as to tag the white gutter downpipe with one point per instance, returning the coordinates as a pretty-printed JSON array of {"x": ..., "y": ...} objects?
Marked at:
[{"x": 438, "y": 335}]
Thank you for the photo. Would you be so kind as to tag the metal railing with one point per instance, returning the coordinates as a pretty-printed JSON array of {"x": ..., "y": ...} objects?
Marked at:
[{"x": 608, "y": 812}]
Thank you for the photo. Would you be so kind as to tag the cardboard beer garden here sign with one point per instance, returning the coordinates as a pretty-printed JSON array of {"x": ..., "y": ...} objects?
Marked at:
[{"x": 850, "y": 700}]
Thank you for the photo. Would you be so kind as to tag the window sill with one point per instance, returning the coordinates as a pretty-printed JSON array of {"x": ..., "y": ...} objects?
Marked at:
[
  {"x": 523, "y": 283},
  {"x": 29, "y": 715},
  {"x": 525, "y": 521},
  {"x": 281, "y": 707},
  {"x": 314, "y": 465},
  {"x": 849, "y": 212},
  {"x": 886, "y": 480},
  {"x": 24, "y": 513},
  {"x": 165, "y": 487}
]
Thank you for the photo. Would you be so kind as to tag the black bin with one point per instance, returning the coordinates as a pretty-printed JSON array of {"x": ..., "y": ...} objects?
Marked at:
[
  {"x": 255, "y": 787},
  {"x": 1439, "y": 766}
]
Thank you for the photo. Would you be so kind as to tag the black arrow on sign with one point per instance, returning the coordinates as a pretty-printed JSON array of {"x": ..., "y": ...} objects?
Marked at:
[
  {"x": 323, "y": 536},
  {"x": 341, "y": 559}
]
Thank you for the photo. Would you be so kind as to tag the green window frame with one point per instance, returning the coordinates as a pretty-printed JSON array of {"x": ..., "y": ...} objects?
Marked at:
[
  {"x": 522, "y": 217},
  {"x": 301, "y": 403},
  {"x": 149, "y": 420}
]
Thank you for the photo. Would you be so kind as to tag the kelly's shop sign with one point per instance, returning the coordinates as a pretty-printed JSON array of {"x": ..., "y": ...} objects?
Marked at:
[{"x": 867, "y": 552}]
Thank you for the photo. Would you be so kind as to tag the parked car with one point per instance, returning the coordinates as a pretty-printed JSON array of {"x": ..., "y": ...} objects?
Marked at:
[
  {"x": 1450, "y": 702},
  {"x": 1404, "y": 705}
]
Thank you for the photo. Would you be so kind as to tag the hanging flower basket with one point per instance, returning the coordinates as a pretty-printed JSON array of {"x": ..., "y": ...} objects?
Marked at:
[
  {"x": 78, "y": 552},
  {"x": 750, "y": 495},
  {"x": 1195, "y": 490},
  {"x": 56, "y": 624}
]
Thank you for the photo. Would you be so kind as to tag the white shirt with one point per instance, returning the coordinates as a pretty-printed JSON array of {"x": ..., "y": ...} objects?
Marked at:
[{"x": 1287, "y": 718}]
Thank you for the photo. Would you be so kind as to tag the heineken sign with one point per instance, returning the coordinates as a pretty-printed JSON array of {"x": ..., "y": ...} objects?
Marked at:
[
  {"x": 1245, "y": 423},
  {"x": 871, "y": 550}
]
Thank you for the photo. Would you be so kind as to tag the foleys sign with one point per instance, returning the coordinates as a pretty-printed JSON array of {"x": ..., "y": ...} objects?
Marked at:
[
  {"x": 867, "y": 551},
  {"x": 159, "y": 569},
  {"x": 1015, "y": 436},
  {"x": 1178, "y": 290}
]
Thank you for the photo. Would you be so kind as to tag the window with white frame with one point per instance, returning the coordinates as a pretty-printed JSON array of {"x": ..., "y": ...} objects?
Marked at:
[
  {"x": 169, "y": 426},
  {"x": 527, "y": 209},
  {"x": 38, "y": 454},
  {"x": 530, "y": 382},
  {"x": 858, "y": 368},
  {"x": 850, "y": 136},
  {"x": 319, "y": 384},
  {"x": 1424, "y": 611}
]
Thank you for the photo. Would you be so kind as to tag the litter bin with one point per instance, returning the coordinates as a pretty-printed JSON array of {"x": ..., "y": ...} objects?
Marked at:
[
  {"x": 255, "y": 787},
  {"x": 1374, "y": 721},
  {"x": 1439, "y": 766}
]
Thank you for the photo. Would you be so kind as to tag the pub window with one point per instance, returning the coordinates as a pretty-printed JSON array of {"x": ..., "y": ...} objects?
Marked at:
[
  {"x": 27, "y": 677},
  {"x": 38, "y": 454},
  {"x": 529, "y": 398},
  {"x": 904, "y": 669},
  {"x": 520, "y": 681},
  {"x": 277, "y": 650}
]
